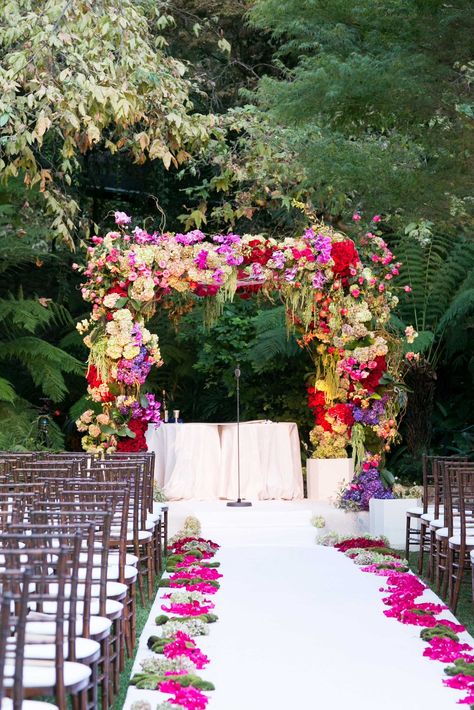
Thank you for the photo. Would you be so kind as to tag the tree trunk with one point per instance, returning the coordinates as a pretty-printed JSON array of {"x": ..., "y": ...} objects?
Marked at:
[{"x": 421, "y": 382}]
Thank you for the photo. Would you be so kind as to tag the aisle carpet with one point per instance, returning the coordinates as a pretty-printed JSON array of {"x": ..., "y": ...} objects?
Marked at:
[{"x": 300, "y": 626}]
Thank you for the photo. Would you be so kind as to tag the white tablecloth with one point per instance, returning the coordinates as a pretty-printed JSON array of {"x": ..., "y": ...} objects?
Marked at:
[{"x": 200, "y": 460}]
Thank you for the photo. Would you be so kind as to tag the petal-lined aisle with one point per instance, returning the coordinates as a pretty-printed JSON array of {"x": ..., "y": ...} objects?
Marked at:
[{"x": 300, "y": 626}]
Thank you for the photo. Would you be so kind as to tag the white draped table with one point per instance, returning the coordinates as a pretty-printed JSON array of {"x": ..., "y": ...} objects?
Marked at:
[{"x": 200, "y": 460}]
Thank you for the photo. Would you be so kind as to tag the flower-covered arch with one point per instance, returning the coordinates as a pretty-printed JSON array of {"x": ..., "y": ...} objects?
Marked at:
[{"x": 338, "y": 299}]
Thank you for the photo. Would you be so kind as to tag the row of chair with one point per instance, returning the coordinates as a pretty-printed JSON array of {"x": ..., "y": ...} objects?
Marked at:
[
  {"x": 442, "y": 529},
  {"x": 77, "y": 536}
]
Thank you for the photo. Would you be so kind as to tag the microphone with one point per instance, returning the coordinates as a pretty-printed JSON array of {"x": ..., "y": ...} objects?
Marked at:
[{"x": 237, "y": 372}]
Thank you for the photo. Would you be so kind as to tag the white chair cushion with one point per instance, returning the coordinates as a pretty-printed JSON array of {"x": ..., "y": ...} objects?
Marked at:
[
  {"x": 113, "y": 590},
  {"x": 143, "y": 535},
  {"x": 438, "y": 523},
  {"x": 44, "y": 675},
  {"x": 130, "y": 559},
  {"x": 130, "y": 573},
  {"x": 85, "y": 648},
  {"x": 428, "y": 517},
  {"x": 456, "y": 540},
  {"x": 112, "y": 607},
  {"x": 98, "y": 626},
  {"x": 415, "y": 511},
  {"x": 155, "y": 515},
  {"x": 7, "y": 704}
]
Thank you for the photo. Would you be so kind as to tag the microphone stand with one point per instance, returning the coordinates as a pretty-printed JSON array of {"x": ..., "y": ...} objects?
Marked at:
[{"x": 239, "y": 503}]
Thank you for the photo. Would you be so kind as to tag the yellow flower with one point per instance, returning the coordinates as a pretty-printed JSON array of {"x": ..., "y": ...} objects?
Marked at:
[
  {"x": 130, "y": 351},
  {"x": 114, "y": 351}
]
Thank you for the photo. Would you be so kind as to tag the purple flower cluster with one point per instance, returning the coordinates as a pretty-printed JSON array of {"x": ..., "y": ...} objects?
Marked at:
[
  {"x": 190, "y": 238},
  {"x": 366, "y": 485},
  {"x": 278, "y": 259},
  {"x": 322, "y": 244},
  {"x": 290, "y": 274},
  {"x": 152, "y": 411},
  {"x": 141, "y": 236},
  {"x": 319, "y": 279},
  {"x": 372, "y": 414},
  {"x": 228, "y": 244},
  {"x": 201, "y": 259},
  {"x": 134, "y": 372}
]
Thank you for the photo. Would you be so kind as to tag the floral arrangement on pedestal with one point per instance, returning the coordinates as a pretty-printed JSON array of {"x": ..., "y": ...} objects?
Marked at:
[{"x": 338, "y": 298}]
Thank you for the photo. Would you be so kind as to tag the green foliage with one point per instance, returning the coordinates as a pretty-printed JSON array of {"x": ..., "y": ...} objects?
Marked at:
[
  {"x": 45, "y": 362},
  {"x": 371, "y": 92},
  {"x": 150, "y": 681},
  {"x": 441, "y": 274},
  {"x": 460, "y": 667},
  {"x": 438, "y": 631},
  {"x": 19, "y": 427},
  {"x": 87, "y": 76}
]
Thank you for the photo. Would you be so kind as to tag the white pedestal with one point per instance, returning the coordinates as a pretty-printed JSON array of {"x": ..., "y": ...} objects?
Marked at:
[
  {"x": 388, "y": 517},
  {"x": 325, "y": 477}
]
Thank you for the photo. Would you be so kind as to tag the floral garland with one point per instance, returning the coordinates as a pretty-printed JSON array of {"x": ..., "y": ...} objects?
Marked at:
[
  {"x": 173, "y": 669},
  {"x": 403, "y": 589},
  {"x": 338, "y": 298}
]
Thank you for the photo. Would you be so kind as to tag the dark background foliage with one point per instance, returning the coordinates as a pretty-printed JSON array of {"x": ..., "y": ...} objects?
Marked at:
[{"x": 364, "y": 105}]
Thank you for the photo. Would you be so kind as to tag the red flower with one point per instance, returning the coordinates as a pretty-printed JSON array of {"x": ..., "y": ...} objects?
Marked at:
[
  {"x": 139, "y": 427},
  {"x": 94, "y": 381},
  {"x": 118, "y": 289},
  {"x": 204, "y": 290},
  {"x": 344, "y": 255},
  {"x": 343, "y": 412},
  {"x": 317, "y": 403},
  {"x": 373, "y": 380},
  {"x": 362, "y": 542},
  {"x": 260, "y": 253}
]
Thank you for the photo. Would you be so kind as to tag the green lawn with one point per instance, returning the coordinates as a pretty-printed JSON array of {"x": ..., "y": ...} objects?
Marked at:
[
  {"x": 465, "y": 610},
  {"x": 142, "y": 616}
]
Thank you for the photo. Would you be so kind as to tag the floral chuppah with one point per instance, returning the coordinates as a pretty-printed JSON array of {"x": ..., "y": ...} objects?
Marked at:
[{"x": 338, "y": 299}]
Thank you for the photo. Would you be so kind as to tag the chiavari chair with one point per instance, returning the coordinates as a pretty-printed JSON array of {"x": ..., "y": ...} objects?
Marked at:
[{"x": 48, "y": 643}]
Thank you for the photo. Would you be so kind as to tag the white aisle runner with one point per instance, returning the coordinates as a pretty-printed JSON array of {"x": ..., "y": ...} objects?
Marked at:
[{"x": 301, "y": 627}]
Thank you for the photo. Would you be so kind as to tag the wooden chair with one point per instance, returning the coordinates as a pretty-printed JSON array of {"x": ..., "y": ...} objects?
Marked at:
[{"x": 44, "y": 670}]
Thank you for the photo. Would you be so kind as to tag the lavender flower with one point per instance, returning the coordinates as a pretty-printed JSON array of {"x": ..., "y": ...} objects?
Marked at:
[
  {"x": 319, "y": 279},
  {"x": 278, "y": 259},
  {"x": 190, "y": 238},
  {"x": 366, "y": 485},
  {"x": 372, "y": 414},
  {"x": 290, "y": 274}
]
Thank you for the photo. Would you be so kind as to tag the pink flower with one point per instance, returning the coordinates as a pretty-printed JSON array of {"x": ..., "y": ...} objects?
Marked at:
[
  {"x": 183, "y": 645},
  {"x": 447, "y": 651},
  {"x": 191, "y": 609},
  {"x": 376, "y": 218},
  {"x": 356, "y": 217},
  {"x": 189, "y": 698},
  {"x": 408, "y": 289},
  {"x": 121, "y": 218}
]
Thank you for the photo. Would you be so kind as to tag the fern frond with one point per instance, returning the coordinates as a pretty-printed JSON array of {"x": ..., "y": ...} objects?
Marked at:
[
  {"x": 461, "y": 307},
  {"x": 44, "y": 362},
  {"x": 437, "y": 274},
  {"x": 271, "y": 339},
  {"x": 19, "y": 428},
  {"x": 7, "y": 392}
]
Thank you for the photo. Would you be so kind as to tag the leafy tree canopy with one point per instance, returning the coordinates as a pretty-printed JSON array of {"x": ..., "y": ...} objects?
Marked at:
[
  {"x": 377, "y": 97},
  {"x": 78, "y": 77}
]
